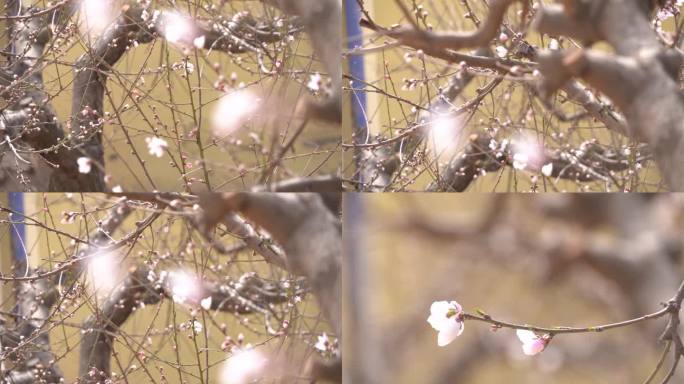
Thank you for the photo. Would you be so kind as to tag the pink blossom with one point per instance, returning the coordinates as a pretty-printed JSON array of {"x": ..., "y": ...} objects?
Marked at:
[
  {"x": 532, "y": 343},
  {"x": 446, "y": 317}
]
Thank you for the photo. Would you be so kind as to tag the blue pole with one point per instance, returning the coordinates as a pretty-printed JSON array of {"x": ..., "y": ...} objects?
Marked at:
[
  {"x": 18, "y": 233},
  {"x": 356, "y": 70}
]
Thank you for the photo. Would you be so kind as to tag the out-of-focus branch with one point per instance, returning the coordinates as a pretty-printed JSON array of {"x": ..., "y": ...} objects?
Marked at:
[
  {"x": 557, "y": 20},
  {"x": 303, "y": 226},
  {"x": 328, "y": 187},
  {"x": 256, "y": 241},
  {"x": 322, "y": 20},
  {"x": 641, "y": 79}
]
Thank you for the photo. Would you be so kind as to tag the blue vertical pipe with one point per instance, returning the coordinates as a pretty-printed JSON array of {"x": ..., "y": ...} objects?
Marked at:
[
  {"x": 18, "y": 233},
  {"x": 356, "y": 70}
]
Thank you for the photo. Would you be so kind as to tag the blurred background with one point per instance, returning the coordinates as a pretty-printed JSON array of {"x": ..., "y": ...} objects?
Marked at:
[
  {"x": 157, "y": 344},
  {"x": 550, "y": 260}
]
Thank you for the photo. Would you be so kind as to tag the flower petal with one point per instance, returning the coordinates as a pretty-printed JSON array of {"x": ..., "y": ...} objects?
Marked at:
[
  {"x": 526, "y": 336},
  {"x": 533, "y": 347},
  {"x": 438, "y": 315},
  {"x": 206, "y": 303},
  {"x": 439, "y": 307},
  {"x": 449, "y": 334},
  {"x": 437, "y": 322}
]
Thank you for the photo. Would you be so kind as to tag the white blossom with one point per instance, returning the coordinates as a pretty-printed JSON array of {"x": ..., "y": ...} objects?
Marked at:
[
  {"x": 199, "y": 42},
  {"x": 501, "y": 51},
  {"x": 156, "y": 146},
  {"x": 554, "y": 45},
  {"x": 206, "y": 303},
  {"x": 196, "y": 326},
  {"x": 446, "y": 318},
  {"x": 520, "y": 161},
  {"x": 85, "y": 164},
  {"x": 315, "y": 82},
  {"x": 323, "y": 343}
]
